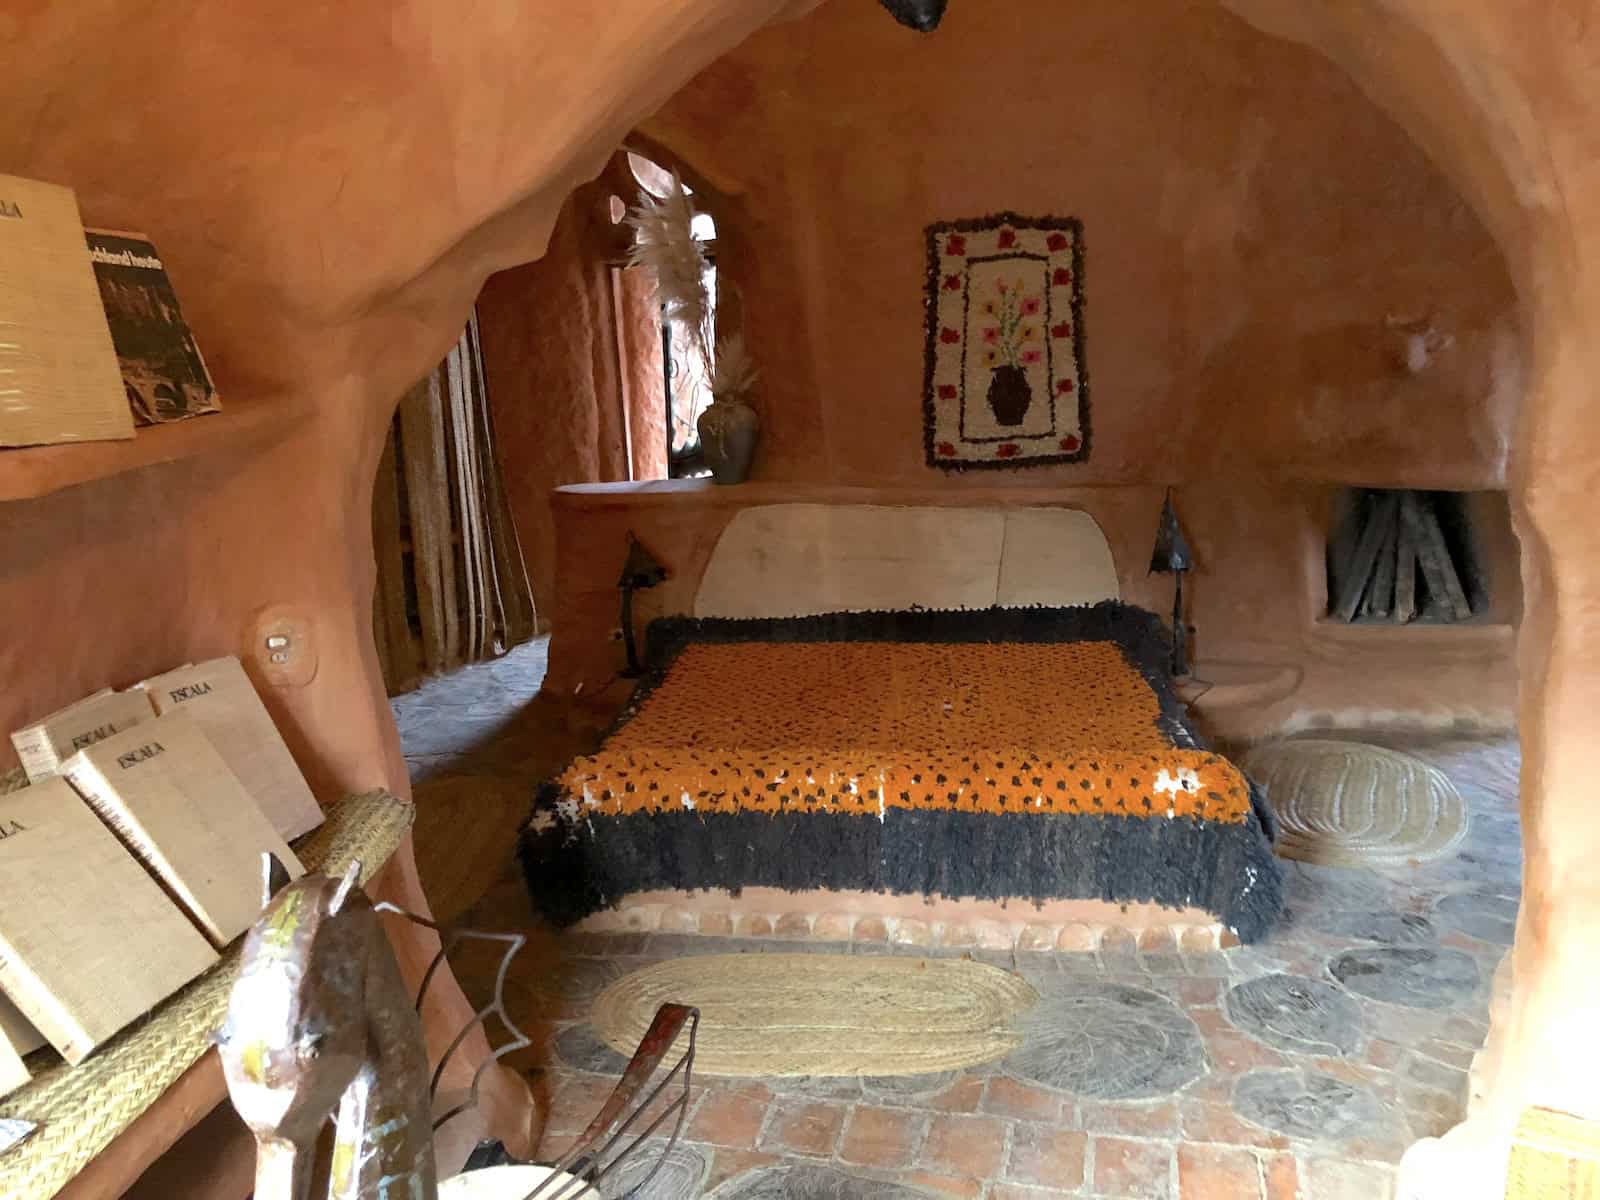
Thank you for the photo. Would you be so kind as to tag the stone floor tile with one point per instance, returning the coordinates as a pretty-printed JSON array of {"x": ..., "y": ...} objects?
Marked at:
[
  {"x": 1217, "y": 1173},
  {"x": 964, "y": 1145},
  {"x": 1046, "y": 1157},
  {"x": 803, "y": 1127},
  {"x": 881, "y": 1137},
  {"x": 1129, "y": 1168}
]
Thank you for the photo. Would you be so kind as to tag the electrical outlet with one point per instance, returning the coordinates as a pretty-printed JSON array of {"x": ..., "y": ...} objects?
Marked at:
[{"x": 282, "y": 648}]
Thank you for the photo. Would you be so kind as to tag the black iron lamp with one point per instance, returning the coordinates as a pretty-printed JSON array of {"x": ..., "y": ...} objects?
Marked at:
[
  {"x": 1172, "y": 557},
  {"x": 639, "y": 572}
]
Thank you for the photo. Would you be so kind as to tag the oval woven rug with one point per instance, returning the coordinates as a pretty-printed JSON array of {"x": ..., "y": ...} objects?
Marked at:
[
  {"x": 824, "y": 1014},
  {"x": 1348, "y": 804}
]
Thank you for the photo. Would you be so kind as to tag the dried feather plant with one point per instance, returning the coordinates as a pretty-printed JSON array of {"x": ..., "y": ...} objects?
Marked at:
[
  {"x": 664, "y": 242},
  {"x": 734, "y": 371}
]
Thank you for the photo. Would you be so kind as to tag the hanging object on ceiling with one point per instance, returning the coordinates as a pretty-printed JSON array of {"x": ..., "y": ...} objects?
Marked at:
[
  {"x": 922, "y": 15},
  {"x": 1004, "y": 382}
]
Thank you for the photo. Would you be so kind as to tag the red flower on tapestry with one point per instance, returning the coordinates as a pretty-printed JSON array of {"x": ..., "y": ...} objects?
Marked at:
[
  {"x": 1061, "y": 329},
  {"x": 949, "y": 336},
  {"x": 1062, "y": 277},
  {"x": 946, "y": 450},
  {"x": 1070, "y": 443},
  {"x": 952, "y": 283},
  {"x": 947, "y": 391},
  {"x": 1007, "y": 238},
  {"x": 955, "y": 244},
  {"x": 1064, "y": 386},
  {"x": 1031, "y": 306},
  {"x": 991, "y": 336},
  {"x": 1032, "y": 358},
  {"x": 1007, "y": 450},
  {"x": 1057, "y": 243}
]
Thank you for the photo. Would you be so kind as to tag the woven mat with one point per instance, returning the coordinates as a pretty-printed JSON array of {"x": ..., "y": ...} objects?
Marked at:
[
  {"x": 80, "y": 1110},
  {"x": 1554, "y": 1157},
  {"x": 822, "y": 1014},
  {"x": 1347, "y": 804}
]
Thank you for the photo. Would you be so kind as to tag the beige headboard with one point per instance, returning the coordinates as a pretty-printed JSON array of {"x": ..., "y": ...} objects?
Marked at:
[{"x": 789, "y": 560}]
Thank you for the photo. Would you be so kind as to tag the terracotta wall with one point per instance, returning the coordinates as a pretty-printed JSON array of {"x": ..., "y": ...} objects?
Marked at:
[
  {"x": 1253, "y": 225},
  {"x": 572, "y": 359},
  {"x": 1262, "y": 241}
]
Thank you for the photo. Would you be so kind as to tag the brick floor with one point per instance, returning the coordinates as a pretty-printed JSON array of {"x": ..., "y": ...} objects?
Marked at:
[
  {"x": 962, "y": 1145},
  {"x": 1217, "y": 1173},
  {"x": 1046, "y": 1157},
  {"x": 1135, "y": 1170},
  {"x": 881, "y": 1137},
  {"x": 810, "y": 1128}
]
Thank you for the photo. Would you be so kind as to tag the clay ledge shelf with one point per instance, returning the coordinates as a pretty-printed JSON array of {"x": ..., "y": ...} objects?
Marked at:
[
  {"x": 1464, "y": 633},
  {"x": 131, "y": 1100},
  {"x": 27, "y": 472}
]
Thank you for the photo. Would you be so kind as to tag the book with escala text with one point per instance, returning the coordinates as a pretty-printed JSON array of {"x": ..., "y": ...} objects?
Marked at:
[
  {"x": 171, "y": 799},
  {"x": 223, "y": 701},
  {"x": 88, "y": 941},
  {"x": 44, "y": 745}
]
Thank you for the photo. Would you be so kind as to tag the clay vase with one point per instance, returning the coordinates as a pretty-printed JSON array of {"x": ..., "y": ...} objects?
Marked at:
[
  {"x": 1009, "y": 394},
  {"x": 729, "y": 430}
]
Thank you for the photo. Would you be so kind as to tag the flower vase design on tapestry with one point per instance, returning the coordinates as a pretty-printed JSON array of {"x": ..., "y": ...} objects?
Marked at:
[{"x": 1005, "y": 384}]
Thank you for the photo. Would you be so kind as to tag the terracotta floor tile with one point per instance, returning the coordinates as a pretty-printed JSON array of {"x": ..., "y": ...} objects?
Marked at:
[
  {"x": 1046, "y": 1157},
  {"x": 962, "y": 1145},
  {"x": 1135, "y": 1169},
  {"x": 1005, "y": 1097},
  {"x": 1217, "y": 1173},
  {"x": 881, "y": 1137},
  {"x": 804, "y": 1127},
  {"x": 963, "y": 1096},
  {"x": 727, "y": 1119},
  {"x": 955, "y": 1187},
  {"x": 1137, "y": 1120}
]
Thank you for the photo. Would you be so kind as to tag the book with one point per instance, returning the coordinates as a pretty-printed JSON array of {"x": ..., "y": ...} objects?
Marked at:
[
  {"x": 88, "y": 942},
  {"x": 222, "y": 700},
  {"x": 60, "y": 367},
  {"x": 13, "y": 1071},
  {"x": 162, "y": 371},
  {"x": 45, "y": 744},
  {"x": 16, "y": 1030},
  {"x": 172, "y": 801}
]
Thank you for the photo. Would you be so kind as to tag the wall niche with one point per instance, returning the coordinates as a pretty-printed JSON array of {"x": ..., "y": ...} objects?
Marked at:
[{"x": 1406, "y": 556}]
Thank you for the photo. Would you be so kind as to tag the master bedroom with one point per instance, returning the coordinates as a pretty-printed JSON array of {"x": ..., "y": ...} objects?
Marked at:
[{"x": 902, "y": 599}]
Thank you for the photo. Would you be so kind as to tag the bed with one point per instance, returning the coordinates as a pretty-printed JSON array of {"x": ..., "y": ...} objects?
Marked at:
[{"x": 1023, "y": 754}]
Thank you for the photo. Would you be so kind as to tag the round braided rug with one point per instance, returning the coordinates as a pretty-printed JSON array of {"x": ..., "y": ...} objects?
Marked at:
[
  {"x": 1348, "y": 804},
  {"x": 823, "y": 1014}
]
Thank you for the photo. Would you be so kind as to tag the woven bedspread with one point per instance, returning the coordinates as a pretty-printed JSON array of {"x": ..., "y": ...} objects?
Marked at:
[{"x": 1034, "y": 753}]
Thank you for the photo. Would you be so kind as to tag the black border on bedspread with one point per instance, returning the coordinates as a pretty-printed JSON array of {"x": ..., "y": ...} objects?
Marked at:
[{"x": 575, "y": 869}]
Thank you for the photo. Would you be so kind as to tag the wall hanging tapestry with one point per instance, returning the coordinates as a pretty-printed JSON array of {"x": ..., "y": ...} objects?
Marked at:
[
  {"x": 1005, "y": 383},
  {"x": 1031, "y": 753}
]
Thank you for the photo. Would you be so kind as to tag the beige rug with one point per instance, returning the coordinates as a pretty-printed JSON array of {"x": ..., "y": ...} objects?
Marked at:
[
  {"x": 824, "y": 1014},
  {"x": 1348, "y": 804}
]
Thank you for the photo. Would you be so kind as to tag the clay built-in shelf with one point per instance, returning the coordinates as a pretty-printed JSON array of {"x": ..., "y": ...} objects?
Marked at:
[{"x": 31, "y": 471}]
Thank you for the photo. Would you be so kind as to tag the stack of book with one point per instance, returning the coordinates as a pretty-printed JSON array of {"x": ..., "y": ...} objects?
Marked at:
[{"x": 134, "y": 854}]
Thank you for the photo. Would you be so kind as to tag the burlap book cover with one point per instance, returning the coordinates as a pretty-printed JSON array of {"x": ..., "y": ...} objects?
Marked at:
[
  {"x": 223, "y": 701},
  {"x": 63, "y": 383},
  {"x": 88, "y": 939},
  {"x": 168, "y": 795}
]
